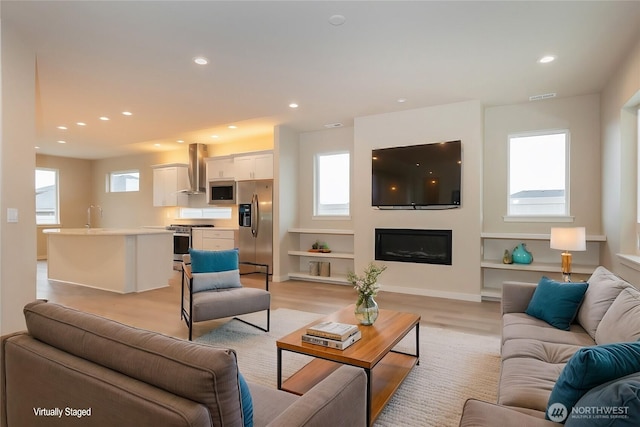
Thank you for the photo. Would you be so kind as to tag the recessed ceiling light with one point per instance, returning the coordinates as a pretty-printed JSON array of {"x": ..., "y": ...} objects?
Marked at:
[
  {"x": 36, "y": 147},
  {"x": 333, "y": 125},
  {"x": 104, "y": 118},
  {"x": 293, "y": 105},
  {"x": 81, "y": 124},
  {"x": 61, "y": 142},
  {"x": 62, "y": 127},
  {"x": 402, "y": 100},
  {"x": 337, "y": 20},
  {"x": 127, "y": 113},
  {"x": 156, "y": 145},
  {"x": 201, "y": 60},
  {"x": 180, "y": 141},
  {"x": 546, "y": 59},
  {"x": 233, "y": 127},
  {"x": 215, "y": 136}
]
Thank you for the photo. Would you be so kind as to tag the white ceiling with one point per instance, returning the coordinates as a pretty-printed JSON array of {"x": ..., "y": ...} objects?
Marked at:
[{"x": 98, "y": 58}]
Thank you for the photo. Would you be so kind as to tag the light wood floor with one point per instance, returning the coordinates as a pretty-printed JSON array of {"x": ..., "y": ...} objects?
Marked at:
[{"x": 159, "y": 310}]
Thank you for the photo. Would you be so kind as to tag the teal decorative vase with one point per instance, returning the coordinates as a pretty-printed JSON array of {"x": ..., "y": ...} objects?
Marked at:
[{"x": 521, "y": 255}]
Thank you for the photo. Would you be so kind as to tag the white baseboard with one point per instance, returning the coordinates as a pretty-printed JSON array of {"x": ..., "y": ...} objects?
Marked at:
[{"x": 433, "y": 293}]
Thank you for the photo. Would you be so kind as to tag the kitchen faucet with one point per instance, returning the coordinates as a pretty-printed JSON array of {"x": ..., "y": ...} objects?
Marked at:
[{"x": 88, "y": 224}]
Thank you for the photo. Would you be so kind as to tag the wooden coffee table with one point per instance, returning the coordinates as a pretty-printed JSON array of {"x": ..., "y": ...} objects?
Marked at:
[{"x": 385, "y": 367}]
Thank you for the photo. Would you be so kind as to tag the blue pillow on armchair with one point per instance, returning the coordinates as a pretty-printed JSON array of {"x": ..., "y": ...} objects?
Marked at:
[
  {"x": 556, "y": 303},
  {"x": 213, "y": 261}
]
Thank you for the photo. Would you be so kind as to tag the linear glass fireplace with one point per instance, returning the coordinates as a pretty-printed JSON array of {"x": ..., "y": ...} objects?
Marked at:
[{"x": 405, "y": 245}]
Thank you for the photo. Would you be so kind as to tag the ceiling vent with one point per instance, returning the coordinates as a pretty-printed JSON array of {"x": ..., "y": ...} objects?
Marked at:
[
  {"x": 543, "y": 96},
  {"x": 333, "y": 125}
]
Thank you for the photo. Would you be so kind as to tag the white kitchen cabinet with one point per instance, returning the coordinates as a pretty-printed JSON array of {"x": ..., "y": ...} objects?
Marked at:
[
  {"x": 210, "y": 239},
  {"x": 220, "y": 168},
  {"x": 168, "y": 183},
  {"x": 255, "y": 166}
]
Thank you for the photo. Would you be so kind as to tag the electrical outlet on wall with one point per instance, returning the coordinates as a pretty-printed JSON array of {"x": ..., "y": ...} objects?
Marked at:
[{"x": 12, "y": 215}]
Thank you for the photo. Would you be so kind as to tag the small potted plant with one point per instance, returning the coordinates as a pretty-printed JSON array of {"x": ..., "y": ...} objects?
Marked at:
[{"x": 367, "y": 287}]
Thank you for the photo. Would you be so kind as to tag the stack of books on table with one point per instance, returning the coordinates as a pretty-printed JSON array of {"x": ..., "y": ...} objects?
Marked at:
[{"x": 332, "y": 335}]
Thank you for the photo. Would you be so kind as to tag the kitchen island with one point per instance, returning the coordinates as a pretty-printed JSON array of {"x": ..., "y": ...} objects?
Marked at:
[{"x": 112, "y": 259}]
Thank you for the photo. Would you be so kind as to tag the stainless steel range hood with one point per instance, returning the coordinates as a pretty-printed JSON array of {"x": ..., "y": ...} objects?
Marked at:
[{"x": 197, "y": 172}]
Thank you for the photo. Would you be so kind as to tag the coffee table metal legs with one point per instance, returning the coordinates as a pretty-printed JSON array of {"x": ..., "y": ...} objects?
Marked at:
[
  {"x": 279, "y": 369},
  {"x": 369, "y": 383}
]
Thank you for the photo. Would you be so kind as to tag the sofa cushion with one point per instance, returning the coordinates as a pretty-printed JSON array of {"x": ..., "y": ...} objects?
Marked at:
[
  {"x": 621, "y": 322},
  {"x": 527, "y": 383},
  {"x": 213, "y": 261},
  {"x": 197, "y": 372},
  {"x": 37, "y": 375},
  {"x": 616, "y": 402},
  {"x": 590, "y": 367},
  {"x": 540, "y": 350},
  {"x": 604, "y": 287},
  {"x": 478, "y": 413},
  {"x": 520, "y": 325},
  {"x": 556, "y": 302}
]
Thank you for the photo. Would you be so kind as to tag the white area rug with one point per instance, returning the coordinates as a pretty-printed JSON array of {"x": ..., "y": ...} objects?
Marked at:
[{"x": 453, "y": 367}]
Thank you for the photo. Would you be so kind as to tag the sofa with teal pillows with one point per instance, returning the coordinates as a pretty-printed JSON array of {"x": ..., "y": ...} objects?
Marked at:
[{"x": 570, "y": 355}]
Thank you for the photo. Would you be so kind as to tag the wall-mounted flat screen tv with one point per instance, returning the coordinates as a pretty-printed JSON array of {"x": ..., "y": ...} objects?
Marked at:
[{"x": 426, "y": 176}]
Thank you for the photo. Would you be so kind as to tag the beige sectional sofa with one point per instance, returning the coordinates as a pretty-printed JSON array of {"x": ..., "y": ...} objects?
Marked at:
[
  {"x": 534, "y": 353},
  {"x": 71, "y": 365}
]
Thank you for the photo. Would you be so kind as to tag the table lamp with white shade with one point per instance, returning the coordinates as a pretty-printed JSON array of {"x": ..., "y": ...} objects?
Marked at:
[{"x": 568, "y": 239}]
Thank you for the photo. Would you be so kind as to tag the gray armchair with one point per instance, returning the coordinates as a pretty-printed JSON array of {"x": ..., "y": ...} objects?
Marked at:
[{"x": 213, "y": 290}]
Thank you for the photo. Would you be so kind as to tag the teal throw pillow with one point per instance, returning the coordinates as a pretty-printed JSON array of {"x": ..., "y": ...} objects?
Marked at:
[
  {"x": 587, "y": 368},
  {"x": 247, "y": 402},
  {"x": 556, "y": 302},
  {"x": 614, "y": 403},
  {"x": 213, "y": 261}
]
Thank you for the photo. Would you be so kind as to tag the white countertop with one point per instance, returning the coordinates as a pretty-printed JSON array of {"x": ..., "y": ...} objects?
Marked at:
[{"x": 105, "y": 231}]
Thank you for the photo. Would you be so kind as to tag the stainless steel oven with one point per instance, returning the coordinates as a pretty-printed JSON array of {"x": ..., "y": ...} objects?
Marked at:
[{"x": 181, "y": 243}]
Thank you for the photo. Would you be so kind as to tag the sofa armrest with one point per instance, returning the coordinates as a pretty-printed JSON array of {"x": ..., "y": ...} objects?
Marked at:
[
  {"x": 339, "y": 399},
  {"x": 477, "y": 413},
  {"x": 3, "y": 376},
  {"x": 516, "y": 296}
]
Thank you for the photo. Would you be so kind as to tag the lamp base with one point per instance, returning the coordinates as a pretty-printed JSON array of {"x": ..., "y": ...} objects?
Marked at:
[{"x": 566, "y": 266}]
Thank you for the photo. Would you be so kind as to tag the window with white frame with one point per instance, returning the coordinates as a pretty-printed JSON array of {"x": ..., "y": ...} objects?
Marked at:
[
  {"x": 539, "y": 174},
  {"x": 123, "y": 181},
  {"x": 47, "y": 203},
  {"x": 332, "y": 184}
]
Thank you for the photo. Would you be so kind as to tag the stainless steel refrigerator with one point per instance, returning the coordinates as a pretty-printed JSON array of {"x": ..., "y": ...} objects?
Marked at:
[{"x": 255, "y": 217}]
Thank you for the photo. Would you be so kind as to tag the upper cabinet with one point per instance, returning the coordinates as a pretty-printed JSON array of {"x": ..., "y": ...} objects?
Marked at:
[
  {"x": 220, "y": 168},
  {"x": 169, "y": 182},
  {"x": 255, "y": 166}
]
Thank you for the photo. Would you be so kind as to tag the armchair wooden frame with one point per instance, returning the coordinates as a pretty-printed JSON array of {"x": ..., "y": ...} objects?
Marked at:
[{"x": 186, "y": 305}]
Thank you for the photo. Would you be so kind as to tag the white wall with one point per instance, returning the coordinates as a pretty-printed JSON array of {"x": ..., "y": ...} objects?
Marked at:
[
  {"x": 581, "y": 116},
  {"x": 17, "y": 178},
  {"x": 461, "y": 121},
  {"x": 619, "y": 164},
  {"x": 286, "y": 172}
]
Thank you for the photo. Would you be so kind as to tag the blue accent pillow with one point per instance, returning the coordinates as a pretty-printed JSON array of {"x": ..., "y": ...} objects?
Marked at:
[
  {"x": 556, "y": 303},
  {"x": 591, "y": 366},
  {"x": 247, "y": 402},
  {"x": 213, "y": 261},
  {"x": 614, "y": 403}
]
